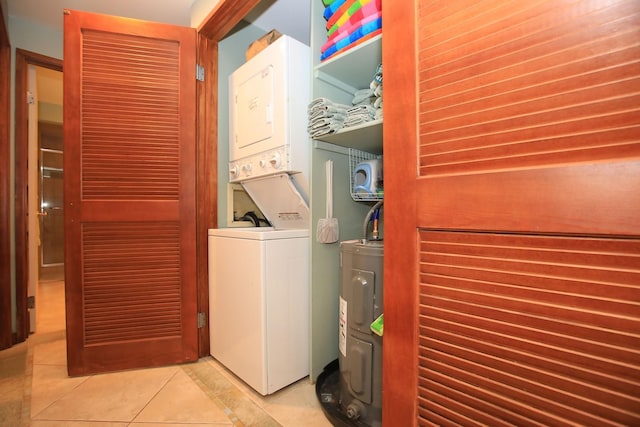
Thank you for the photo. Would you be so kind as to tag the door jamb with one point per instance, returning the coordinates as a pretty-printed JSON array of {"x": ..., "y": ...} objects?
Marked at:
[
  {"x": 214, "y": 28},
  {"x": 6, "y": 330},
  {"x": 24, "y": 58}
]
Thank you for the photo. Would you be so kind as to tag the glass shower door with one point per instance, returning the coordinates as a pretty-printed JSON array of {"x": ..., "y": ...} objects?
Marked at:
[
  {"x": 52, "y": 209},
  {"x": 51, "y": 201}
]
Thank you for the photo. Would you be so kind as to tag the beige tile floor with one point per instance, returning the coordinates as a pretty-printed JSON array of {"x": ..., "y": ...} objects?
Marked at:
[{"x": 195, "y": 395}]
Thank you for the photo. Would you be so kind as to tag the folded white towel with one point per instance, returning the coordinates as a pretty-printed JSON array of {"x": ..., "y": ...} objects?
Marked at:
[
  {"x": 353, "y": 121},
  {"x": 333, "y": 112},
  {"x": 319, "y": 102},
  {"x": 326, "y": 129},
  {"x": 325, "y": 121},
  {"x": 361, "y": 109},
  {"x": 379, "y": 112},
  {"x": 362, "y": 96},
  {"x": 323, "y": 104}
]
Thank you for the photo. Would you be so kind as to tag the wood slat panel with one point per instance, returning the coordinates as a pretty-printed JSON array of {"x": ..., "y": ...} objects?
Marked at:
[
  {"x": 130, "y": 206},
  {"x": 130, "y": 139},
  {"x": 506, "y": 85},
  {"x": 529, "y": 330},
  {"x": 132, "y": 279},
  {"x": 527, "y": 122}
]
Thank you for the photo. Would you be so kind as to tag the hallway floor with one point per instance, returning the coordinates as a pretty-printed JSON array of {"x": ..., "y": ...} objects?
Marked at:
[{"x": 196, "y": 395}]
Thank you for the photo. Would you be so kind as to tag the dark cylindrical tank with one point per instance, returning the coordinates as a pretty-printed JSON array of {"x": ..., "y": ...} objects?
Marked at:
[{"x": 360, "y": 350}]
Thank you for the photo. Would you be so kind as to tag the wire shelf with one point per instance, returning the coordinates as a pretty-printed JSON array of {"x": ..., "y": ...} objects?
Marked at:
[{"x": 365, "y": 176}]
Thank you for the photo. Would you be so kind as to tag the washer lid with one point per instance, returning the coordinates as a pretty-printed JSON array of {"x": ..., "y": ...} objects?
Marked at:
[
  {"x": 279, "y": 200},
  {"x": 259, "y": 233}
]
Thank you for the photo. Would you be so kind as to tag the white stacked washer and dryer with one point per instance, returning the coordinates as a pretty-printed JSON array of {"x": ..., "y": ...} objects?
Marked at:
[{"x": 259, "y": 276}]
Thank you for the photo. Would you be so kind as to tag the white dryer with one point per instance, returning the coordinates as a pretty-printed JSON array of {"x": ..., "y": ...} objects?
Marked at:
[{"x": 268, "y": 98}]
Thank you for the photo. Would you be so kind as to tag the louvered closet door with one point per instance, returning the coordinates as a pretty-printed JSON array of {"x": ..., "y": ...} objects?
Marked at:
[
  {"x": 129, "y": 193},
  {"x": 520, "y": 301}
]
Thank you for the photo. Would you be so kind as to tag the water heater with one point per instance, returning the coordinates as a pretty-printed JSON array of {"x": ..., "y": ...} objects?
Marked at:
[{"x": 360, "y": 350}]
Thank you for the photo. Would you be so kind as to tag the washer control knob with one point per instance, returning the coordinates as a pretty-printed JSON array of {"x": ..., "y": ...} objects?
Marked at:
[
  {"x": 233, "y": 171},
  {"x": 276, "y": 160},
  {"x": 263, "y": 164}
]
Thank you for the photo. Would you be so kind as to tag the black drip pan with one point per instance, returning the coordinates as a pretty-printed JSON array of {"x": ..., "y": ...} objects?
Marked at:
[{"x": 328, "y": 394}]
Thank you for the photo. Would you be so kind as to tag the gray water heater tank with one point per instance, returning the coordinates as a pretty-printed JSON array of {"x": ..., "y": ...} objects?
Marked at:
[{"x": 360, "y": 355}]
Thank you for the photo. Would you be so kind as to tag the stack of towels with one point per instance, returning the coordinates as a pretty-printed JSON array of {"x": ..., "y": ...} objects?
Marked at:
[
  {"x": 349, "y": 23},
  {"x": 367, "y": 103},
  {"x": 327, "y": 117}
]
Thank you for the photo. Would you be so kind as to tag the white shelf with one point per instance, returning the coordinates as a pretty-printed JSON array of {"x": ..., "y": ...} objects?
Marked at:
[
  {"x": 349, "y": 71},
  {"x": 365, "y": 137},
  {"x": 355, "y": 67}
]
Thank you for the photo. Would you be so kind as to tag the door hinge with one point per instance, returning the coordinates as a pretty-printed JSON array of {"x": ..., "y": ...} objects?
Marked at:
[
  {"x": 31, "y": 301},
  {"x": 202, "y": 319},
  {"x": 199, "y": 73},
  {"x": 30, "y": 98}
]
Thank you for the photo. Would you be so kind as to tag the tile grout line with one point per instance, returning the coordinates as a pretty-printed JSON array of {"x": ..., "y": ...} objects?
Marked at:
[
  {"x": 26, "y": 396},
  {"x": 133, "y": 420},
  {"x": 213, "y": 396},
  {"x": 29, "y": 366}
]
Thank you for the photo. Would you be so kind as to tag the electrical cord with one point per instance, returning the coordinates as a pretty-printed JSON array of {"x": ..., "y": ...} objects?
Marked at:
[{"x": 251, "y": 216}]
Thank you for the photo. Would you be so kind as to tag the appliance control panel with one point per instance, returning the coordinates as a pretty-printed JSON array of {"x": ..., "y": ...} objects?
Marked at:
[{"x": 266, "y": 163}]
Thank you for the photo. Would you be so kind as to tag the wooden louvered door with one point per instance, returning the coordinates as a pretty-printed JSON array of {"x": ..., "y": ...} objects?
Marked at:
[
  {"x": 520, "y": 301},
  {"x": 129, "y": 114}
]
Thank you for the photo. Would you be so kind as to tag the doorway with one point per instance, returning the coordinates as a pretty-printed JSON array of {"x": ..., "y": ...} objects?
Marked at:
[
  {"x": 46, "y": 121},
  {"x": 45, "y": 219}
]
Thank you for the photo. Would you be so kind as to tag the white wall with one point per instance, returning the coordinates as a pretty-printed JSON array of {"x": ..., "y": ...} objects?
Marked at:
[{"x": 200, "y": 10}]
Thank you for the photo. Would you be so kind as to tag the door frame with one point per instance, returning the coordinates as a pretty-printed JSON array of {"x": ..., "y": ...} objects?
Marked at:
[
  {"x": 6, "y": 331},
  {"x": 24, "y": 58},
  {"x": 226, "y": 15},
  {"x": 400, "y": 355}
]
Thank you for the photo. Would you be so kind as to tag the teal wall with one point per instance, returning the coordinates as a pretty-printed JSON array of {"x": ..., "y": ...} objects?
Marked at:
[
  {"x": 231, "y": 55},
  {"x": 35, "y": 37}
]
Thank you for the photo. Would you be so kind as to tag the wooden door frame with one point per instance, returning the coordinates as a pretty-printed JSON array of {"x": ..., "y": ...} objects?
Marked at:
[
  {"x": 400, "y": 356},
  {"x": 6, "y": 330},
  {"x": 24, "y": 58},
  {"x": 214, "y": 28}
]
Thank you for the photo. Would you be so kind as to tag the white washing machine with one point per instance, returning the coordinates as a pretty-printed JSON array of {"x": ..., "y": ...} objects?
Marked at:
[
  {"x": 259, "y": 289},
  {"x": 259, "y": 295}
]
